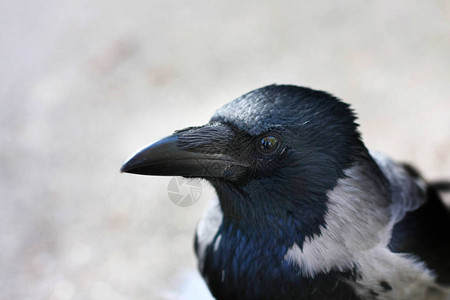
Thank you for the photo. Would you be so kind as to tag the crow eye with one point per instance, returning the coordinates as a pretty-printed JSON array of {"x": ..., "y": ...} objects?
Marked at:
[{"x": 268, "y": 144}]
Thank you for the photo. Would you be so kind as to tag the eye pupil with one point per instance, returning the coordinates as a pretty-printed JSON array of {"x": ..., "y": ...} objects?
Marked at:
[{"x": 268, "y": 143}]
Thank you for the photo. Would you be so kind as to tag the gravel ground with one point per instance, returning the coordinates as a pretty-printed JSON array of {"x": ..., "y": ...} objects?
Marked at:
[{"x": 85, "y": 83}]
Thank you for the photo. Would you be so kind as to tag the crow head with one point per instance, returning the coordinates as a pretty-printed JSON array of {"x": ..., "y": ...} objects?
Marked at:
[{"x": 271, "y": 154}]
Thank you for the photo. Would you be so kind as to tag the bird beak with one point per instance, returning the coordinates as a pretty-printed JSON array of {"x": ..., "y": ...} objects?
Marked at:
[{"x": 169, "y": 157}]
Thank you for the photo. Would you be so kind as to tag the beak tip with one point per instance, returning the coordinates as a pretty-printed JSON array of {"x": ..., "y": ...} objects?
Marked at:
[{"x": 127, "y": 167}]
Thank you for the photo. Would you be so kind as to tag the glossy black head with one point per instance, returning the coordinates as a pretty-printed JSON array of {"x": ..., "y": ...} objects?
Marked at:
[
  {"x": 282, "y": 127},
  {"x": 272, "y": 153}
]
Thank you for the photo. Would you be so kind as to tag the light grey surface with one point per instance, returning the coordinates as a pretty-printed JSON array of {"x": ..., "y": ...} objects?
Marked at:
[{"x": 85, "y": 83}]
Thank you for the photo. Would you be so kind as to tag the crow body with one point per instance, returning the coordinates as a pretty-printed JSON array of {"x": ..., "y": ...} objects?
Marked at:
[{"x": 303, "y": 209}]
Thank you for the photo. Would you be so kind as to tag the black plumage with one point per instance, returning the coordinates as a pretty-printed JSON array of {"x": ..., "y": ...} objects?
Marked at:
[{"x": 304, "y": 209}]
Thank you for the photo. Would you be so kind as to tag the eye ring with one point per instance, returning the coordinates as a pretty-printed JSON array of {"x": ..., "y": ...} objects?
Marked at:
[{"x": 268, "y": 143}]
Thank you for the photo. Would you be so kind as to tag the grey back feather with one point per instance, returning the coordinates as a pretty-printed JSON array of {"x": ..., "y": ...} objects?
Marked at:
[{"x": 407, "y": 192}]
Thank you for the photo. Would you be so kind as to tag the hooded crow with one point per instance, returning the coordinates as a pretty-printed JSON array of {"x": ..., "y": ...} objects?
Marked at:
[{"x": 303, "y": 209}]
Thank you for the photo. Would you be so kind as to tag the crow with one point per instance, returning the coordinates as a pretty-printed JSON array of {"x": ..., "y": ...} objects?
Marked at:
[{"x": 303, "y": 209}]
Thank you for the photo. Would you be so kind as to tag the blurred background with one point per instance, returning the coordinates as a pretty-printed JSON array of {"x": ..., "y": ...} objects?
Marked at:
[{"x": 86, "y": 83}]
